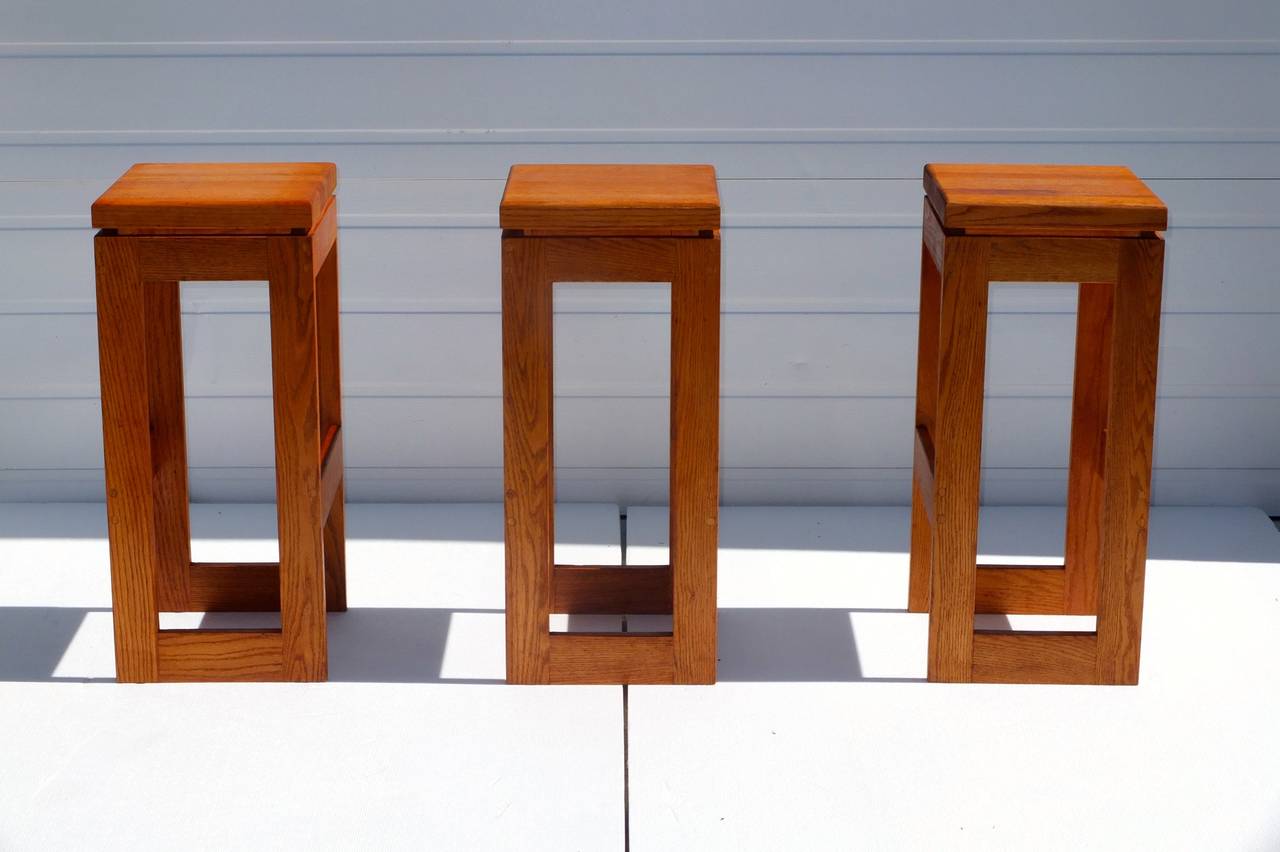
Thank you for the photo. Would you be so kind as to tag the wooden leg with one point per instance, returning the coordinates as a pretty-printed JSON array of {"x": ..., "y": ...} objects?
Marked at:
[
  {"x": 295, "y": 388},
  {"x": 527, "y": 457},
  {"x": 926, "y": 406},
  {"x": 1088, "y": 448},
  {"x": 958, "y": 451},
  {"x": 329, "y": 358},
  {"x": 1130, "y": 428},
  {"x": 126, "y": 415},
  {"x": 695, "y": 467}
]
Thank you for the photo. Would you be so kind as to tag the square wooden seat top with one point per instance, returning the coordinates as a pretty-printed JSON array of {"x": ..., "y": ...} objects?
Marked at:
[
  {"x": 1034, "y": 199},
  {"x": 629, "y": 200},
  {"x": 217, "y": 198}
]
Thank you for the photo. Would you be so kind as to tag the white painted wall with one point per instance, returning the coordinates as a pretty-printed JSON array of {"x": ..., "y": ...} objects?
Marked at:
[{"x": 818, "y": 116}]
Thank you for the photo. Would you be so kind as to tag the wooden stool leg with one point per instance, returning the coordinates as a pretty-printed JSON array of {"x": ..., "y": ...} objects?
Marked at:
[
  {"x": 958, "y": 451},
  {"x": 1088, "y": 448},
  {"x": 695, "y": 456},
  {"x": 295, "y": 388},
  {"x": 168, "y": 445},
  {"x": 1130, "y": 428},
  {"x": 329, "y": 358},
  {"x": 527, "y": 457},
  {"x": 126, "y": 438},
  {"x": 926, "y": 406}
]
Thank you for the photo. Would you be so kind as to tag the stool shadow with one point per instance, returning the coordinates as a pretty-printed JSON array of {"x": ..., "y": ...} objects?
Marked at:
[
  {"x": 34, "y": 639},
  {"x": 793, "y": 646}
]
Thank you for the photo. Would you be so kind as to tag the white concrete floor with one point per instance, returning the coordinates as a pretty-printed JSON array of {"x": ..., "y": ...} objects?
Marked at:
[{"x": 819, "y": 734}]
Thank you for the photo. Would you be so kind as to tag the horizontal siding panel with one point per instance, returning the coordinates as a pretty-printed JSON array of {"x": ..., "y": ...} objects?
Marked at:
[
  {"x": 621, "y": 432},
  {"x": 329, "y": 20},
  {"x": 769, "y": 355},
  {"x": 482, "y": 92},
  {"x": 846, "y": 153}
]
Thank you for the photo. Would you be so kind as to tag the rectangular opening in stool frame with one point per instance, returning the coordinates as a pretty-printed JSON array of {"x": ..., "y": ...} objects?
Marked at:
[
  {"x": 1026, "y": 435},
  {"x": 230, "y": 437},
  {"x": 611, "y": 351}
]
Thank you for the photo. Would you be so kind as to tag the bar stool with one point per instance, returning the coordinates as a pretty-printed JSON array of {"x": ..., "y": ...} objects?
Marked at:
[
  {"x": 1092, "y": 225},
  {"x": 165, "y": 223},
  {"x": 603, "y": 223}
]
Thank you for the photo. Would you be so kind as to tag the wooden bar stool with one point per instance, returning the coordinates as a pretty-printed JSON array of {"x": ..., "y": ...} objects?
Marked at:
[
  {"x": 165, "y": 223},
  {"x": 598, "y": 223},
  {"x": 1092, "y": 225}
]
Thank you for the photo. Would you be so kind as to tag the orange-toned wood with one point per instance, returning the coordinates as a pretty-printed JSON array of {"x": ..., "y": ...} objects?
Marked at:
[
  {"x": 324, "y": 244},
  {"x": 219, "y": 655},
  {"x": 604, "y": 589},
  {"x": 143, "y": 421},
  {"x": 126, "y": 439},
  {"x": 957, "y": 458},
  {"x": 234, "y": 587},
  {"x": 225, "y": 198},
  {"x": 1029, "y": 589},
  {"x": 1127, "y": 469},
  {"x": 1042, "y": 198},
  {"x": 695, "y": 456},
  {"x": 299, "y": 499},
  {"x": 1025, "y": 657},
  {"x": 527, "y": 457},
  {"x": 168, "y": 444},
  {"x": 1112, "y": 417},
  {"x": 585, "y": 207},
  {"x": 582, "y": 199},
  {"x": 1083, "y": 552},
  {"x": 611, "y": 658},
  {"x": 922, "y": 476}
]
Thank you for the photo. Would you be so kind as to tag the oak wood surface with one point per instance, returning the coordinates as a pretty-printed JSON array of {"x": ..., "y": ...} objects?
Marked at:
[
  {"x": 234, "y": 587},
  {"x": 296, "y": 404},
  {"x": 573, "y": 199},
  {"x": 611, "y": 658},
  {"x": 694, "y": 493},
  {"x": 527, "y": 457},
  {"x": 168, "y": 444},
  {"x": 126, "y": 439},
  {"x": 220, "y": 655},
  {"x": 922, "y": 475},
  {"x": 1088, "y": 444},
  {"x": 1052, "y": 197},
  {"x": 1127, "y": 469},
  {"x": 601, "y": 589},
  {"x": 1029, "y": 589},
  {"x": 1031, "y": 657},
  {"x": 957, "y": 458},
  {"x": 261, "y": 198}
]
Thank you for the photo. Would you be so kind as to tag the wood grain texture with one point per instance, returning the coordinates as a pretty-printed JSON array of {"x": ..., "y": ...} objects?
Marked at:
[
  {"x": 193, "y": 258},
  {"x": 296, "y": 404},
  {"x": 1053, "y": 259},
  {"x": 624, "y": 658},
  {"x": 1085, "y": 478},
  {"x": 600, "y": 589},
  {"x": 527, "y": 457},
  {"x": 263, "y": 198},
  {"x": 330, "y": 469},
  {"x": 957, "y": 458},
  {"x": 324, "y": 244},
  {"x": 1028, "y": 589},
  {"x": 234, "y": 587},
  {"x": 628, "y": 259},
  {"x": 695, "y": 455},
  {"x": 126, "y": 440},
  {"x": 1127, "y": 469},
  {"x": 168, "y": 444},
  {"x": 1026, "y": 657},
  {"x": 220, "y": 655},
  {"x": 922, "y": 476},
  {"x": 597, "y": 198},
  {"x": 1052, "y": 197}
]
